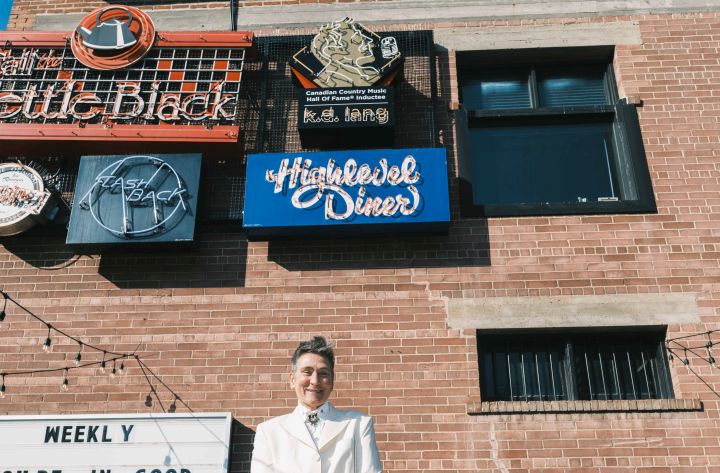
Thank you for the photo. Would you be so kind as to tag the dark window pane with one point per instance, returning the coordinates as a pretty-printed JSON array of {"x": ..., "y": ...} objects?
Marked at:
[
  {"x": 502, "y": 376},
  {"x": 604, "y": 367},
  {"x": 569, "y": 88},
  {"x": 532, "y": 389},
  {"x": 487, "y": 380},
  {"x": 517, "y": 384},
  {"x": 494, "y": 93},
  {"x": 541, "y": 163},
  {"x": 628, "y": 382},
  {"x": 522, "y": 370}
]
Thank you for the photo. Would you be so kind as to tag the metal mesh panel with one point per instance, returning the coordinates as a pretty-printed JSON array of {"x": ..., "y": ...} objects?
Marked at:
[{"x": 415, "y": 92}]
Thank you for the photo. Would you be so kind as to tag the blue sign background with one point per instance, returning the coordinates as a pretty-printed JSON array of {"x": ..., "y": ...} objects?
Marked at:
[{"x": 268, "y": 213}]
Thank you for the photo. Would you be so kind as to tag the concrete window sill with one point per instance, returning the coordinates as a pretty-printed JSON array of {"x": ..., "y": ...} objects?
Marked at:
[{"x": 569, "y": 407}]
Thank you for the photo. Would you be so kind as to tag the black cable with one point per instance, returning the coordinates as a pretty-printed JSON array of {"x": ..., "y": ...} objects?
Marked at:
[
  {"x": 698, "y": 376},
  {"x": 64, "y": 334},
  {"x": 233, "y": 15},
  {"x": 152, "y": 388},
  {"x": 708, "y": 332},
  {"x": 50, "y": 370},
  {"x": 178, "y": 398}
]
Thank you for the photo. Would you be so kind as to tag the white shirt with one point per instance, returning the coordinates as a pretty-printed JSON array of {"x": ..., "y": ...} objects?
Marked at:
[{"x": 302, "y": 413}]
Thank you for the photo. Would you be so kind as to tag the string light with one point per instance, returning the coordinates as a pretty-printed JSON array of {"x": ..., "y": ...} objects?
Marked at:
[
  {"x": 77, "y": 362},
  {"x": 78, "y": 357},
  {"x": 47, "y": 345},
  {"x": 65, "y": 382}
]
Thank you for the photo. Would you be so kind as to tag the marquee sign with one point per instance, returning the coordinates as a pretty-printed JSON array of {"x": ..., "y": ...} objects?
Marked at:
[
  {"x": 140, "y": 199},
  {"x": 24, "y": 200},
  {"x": 111, "y": 79},
  {"x": 326, "y": 193},
  {"x": 117, "y": 443}
]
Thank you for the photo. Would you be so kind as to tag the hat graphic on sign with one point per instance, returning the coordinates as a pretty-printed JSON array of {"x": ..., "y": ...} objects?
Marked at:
[
  {"x": 113, "y": 37},
  {"x": 112, "y": 34}
]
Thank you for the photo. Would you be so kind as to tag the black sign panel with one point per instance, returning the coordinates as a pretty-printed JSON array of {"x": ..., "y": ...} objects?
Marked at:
[
  {"x": 135, "y": 199},
  {"x": 345, "y": 108},
  {"x": 350, "y": 113}
]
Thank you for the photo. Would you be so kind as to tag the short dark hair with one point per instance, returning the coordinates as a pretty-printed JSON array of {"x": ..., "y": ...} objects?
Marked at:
[{"x": 317, "y": 345}]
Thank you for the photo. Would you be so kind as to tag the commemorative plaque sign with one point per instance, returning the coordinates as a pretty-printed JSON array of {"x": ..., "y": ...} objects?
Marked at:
[
  {"x": 345, "y": 73},
  {"x": 135, "y": 199},
  {"x": 346, "y": 54}
]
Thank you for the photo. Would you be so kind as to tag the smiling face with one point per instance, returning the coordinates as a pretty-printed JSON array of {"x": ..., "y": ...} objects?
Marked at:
[{"x": 312, "y": 380}]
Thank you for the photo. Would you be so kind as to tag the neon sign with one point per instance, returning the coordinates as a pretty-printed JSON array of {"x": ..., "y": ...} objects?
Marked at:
[
  {"x": 117, "y": 80},
  {"x": 140, "y": 198},
  {"x": 301, "y": 192}
]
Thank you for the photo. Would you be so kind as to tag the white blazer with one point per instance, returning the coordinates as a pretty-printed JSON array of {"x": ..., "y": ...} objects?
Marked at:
[{"x": 347, "y": 445}]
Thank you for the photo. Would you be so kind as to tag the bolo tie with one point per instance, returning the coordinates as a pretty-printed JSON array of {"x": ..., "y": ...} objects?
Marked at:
[{"x": 313, "y": 418}]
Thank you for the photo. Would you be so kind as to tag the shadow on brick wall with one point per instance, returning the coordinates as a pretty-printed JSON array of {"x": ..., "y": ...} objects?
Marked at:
[
  {"x": 241, "y": 447},
  {"x": 218, "y": 261},
  {"x": 45, "y": 251},
  {"x": 465, "y": 246}
]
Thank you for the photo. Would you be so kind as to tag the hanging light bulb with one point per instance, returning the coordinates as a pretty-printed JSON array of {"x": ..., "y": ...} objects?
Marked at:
[
  {"x": 173, "y": 406},
  {"x": 148, "y": 400},
  {"x": 122, "y": 368},
  {"x": 78, "y": 357},
  {"x": 65, "y": 382},
  {"x": 102, "y": 363},
  {"x": 113, "y": 371},
  {"x": 2, "y": 387},
  {"x": 47, "y": 344}
]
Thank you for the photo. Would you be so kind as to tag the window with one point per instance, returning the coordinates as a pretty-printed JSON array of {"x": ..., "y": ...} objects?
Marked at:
[
  {"x": 542, "y": 138},
  {"x": 573, "y": 367}
]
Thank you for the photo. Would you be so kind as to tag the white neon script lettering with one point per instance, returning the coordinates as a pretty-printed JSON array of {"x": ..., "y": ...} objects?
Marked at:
[{"x": 312, "y": 184}]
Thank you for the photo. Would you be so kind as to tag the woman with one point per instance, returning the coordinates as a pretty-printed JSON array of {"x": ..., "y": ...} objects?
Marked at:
[{"x": 315, "y": 437}]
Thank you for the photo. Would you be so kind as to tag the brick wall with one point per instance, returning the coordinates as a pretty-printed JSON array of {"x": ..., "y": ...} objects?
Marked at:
[{"x": 218, "y": 323}]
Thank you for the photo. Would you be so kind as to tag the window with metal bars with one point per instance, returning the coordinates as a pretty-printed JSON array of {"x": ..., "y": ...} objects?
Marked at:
[
  {"x": 573, "y": 367},
  {"x": 544, "y": 133}
]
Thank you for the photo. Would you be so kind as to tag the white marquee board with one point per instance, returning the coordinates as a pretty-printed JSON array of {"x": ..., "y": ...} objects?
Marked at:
[{"x": 133, "y": 443}]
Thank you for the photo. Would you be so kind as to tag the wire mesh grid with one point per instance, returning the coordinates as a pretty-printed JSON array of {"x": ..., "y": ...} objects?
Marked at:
[
  {"x": 53, "y": 80},
  {"x": 266, "y": 108},
  {"x": 415, "y": 92}
]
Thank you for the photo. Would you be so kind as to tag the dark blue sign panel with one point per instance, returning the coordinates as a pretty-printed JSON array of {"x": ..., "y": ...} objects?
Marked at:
[
  {"x": 135, "y": 199},
  {"x": 341, "y": 192}
]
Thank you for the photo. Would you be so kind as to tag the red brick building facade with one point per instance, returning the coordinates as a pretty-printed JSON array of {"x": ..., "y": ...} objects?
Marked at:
[{"x": 217, "y": 323}]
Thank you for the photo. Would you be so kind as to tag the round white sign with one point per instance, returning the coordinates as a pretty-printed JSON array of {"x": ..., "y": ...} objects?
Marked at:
[{"x": 22, "y": 198}]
